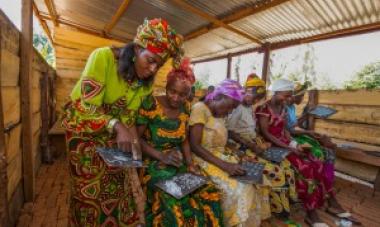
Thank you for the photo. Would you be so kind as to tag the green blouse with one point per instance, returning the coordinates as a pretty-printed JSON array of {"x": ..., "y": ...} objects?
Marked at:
[{"x": 101, "y": 95}]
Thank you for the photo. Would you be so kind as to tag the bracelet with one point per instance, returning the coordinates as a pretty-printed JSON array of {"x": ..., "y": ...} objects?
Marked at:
[
  {"x": 293, "y": 144},
  {"x": 111, "y": 125}
]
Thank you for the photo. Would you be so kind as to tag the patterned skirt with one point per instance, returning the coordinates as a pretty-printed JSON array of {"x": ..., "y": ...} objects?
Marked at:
[
  {"x": 100, "y": 195},
  {"x": 278, "y": 181},
  {"x": 200, "y": 208}
]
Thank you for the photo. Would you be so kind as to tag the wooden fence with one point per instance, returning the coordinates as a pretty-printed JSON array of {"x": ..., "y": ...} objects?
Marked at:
[{"x": 41, "y": 100}]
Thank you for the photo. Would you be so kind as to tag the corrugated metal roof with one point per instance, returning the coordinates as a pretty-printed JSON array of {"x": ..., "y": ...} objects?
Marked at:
[{"x": 288, "y": 20}]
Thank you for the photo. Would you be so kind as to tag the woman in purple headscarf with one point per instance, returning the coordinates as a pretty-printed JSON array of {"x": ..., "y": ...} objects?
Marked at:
[{"x": 208, "y": 136}]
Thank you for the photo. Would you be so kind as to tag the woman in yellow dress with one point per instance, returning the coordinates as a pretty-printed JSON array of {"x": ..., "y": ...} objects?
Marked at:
[{"x": 208, "y": 137}]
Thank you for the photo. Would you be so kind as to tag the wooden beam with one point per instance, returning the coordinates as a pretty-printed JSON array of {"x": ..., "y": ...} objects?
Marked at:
[
  {"x": 373, "y": 27},
  {"x": 26, "y": 61},
  {"x": 47, "y": 157},
  {"x": 214, "y": 20},
  {"x": 266, "y": 65},
  {"x": 116, "y": 17},
  {"x": 247, "y": 51},
  {"x": 42, "y": 23},
  {"x": 4, "y": 210},
  {"x": 229, "y": 65},
  {"x": 235, "y": 16},
  {"x": 52, "y": 11},
  {"x": 313, "y": 102},
  {"x": 279, "y": 45},
  {"x": 88, "y": 30}
]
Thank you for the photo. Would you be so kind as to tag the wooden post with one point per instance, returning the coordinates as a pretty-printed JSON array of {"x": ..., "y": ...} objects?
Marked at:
[
  {"x": 229, "y": 61},
  {"x": 26, "y": 61},
  {"x": 4, "y": 211},
  {"x": 376, "y": 184},
  {"x": 313, "y": 102},
  {"x": 266, "y": 65},
  {"x": 46, "y": 153}
]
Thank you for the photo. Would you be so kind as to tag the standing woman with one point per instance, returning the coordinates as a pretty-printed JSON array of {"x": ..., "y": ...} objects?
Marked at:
[{"x": 102, "y": 113}]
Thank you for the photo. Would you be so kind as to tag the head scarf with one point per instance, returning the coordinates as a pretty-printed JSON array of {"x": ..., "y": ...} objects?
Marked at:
[
  {"x": 158, "y": 37},
  {"x": 282, "y": 85},
  {"x": 300, "y": 88},
  {"x": 230, "y": 88},
  {"x": 184, "y": 73},
  {"x": 253, "y": 81}
]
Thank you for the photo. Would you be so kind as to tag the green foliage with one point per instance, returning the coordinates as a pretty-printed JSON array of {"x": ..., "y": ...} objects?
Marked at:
[
  {"x": 41, "y": 43},
  {"x": 199, "y": 85},
  {"x": 368, "y": 77}
]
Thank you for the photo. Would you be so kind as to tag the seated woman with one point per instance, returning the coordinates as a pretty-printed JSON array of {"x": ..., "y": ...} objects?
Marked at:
[
  {"x": 163, "y": 124},
  {"x": 296, "y": 126},
  {"x": 313, "y": 181},
  {"x": 208, "y": 137},
  {"x": 321, "y": 148},
  {"x": 241, "y": 125}
]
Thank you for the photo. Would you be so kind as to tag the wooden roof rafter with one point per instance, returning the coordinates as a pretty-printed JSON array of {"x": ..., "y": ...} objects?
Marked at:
[
  {"x": 214, "y": 20},
  {"x": 116, "y": 17},
  {"x": 52, "y": 11},
  {"x": 42, "y": 22},
  {"x": 87, "y": 29},
  {"x": 235, "y": 16},
  {"x": 363, "y": 29}
]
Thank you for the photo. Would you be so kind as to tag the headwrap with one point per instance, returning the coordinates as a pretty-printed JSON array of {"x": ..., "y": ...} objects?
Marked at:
[
  {"x": 253, "y": 81},
  {"x": 158, "y": 37},
  {"x": 230, "y": 88},
  {"x": 282, "y": 85},
  {"x": 184, "y": 73},
  {"x": 300, "y": 88}
]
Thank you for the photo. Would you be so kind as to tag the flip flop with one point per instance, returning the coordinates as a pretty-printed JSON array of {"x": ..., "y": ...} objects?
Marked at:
[
  {"x": 343, "y": 215},
  {"x": 315, "y": 224}
]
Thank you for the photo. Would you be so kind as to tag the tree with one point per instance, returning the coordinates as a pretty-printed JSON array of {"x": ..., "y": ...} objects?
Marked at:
[
  {"x": 203, "y": 79},
  {"x": 237, "y": 69},
  {"x": 368, "y": 77},
  {"x": 41, "y": 43}
]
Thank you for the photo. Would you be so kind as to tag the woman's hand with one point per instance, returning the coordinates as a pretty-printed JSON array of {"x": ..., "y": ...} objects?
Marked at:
[
  {"x": 124, "y": 137},
  {"x": 173, "y": 158},
  {"x": 233, "y": 169},
  {"x": 298, "y": 150},
  {"x": 255, "y": 148},
  {"x": 192, "y": 168}
]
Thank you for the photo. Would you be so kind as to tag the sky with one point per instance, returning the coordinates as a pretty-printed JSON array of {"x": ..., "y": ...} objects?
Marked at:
[{"x": 335, "y": 59}]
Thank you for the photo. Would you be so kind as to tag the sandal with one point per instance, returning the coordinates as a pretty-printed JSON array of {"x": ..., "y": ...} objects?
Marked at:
[{"x": 343, "y": 215}]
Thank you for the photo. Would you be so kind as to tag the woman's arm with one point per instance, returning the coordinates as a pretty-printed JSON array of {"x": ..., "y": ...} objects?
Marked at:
[
  {"x": 264, "y": 125},
  {"x": 187, "y": 152},
  {"x": 169, "y": 158},
  {"x": 251, "y": 145},
  {"x": 196, "y": 132}
]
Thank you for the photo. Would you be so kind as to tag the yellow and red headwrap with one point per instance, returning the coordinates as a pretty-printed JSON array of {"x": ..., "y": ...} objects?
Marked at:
[
  {"x": 254, "y": 81},
  {"x": 158, "y": 37}
]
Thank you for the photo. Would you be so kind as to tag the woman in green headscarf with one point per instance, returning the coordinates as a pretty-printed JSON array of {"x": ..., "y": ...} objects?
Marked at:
[{"x": 101, "y": 113}]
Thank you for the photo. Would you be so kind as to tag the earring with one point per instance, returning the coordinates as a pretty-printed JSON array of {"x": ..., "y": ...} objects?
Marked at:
[{"x": 134, "y": 58}]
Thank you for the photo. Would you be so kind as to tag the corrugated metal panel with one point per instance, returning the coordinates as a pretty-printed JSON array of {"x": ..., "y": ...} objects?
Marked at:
[
  {"x": 219, "y": 8},
  {"x": 179, "y": 19},
  {"x": 217, "y": 42},
  {"x": 304, "y": 18},
  {"x": 294, "y": 19}
]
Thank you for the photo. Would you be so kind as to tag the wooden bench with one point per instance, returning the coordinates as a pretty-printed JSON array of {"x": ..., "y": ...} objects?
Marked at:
[{"x": 57, "y": 142}]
